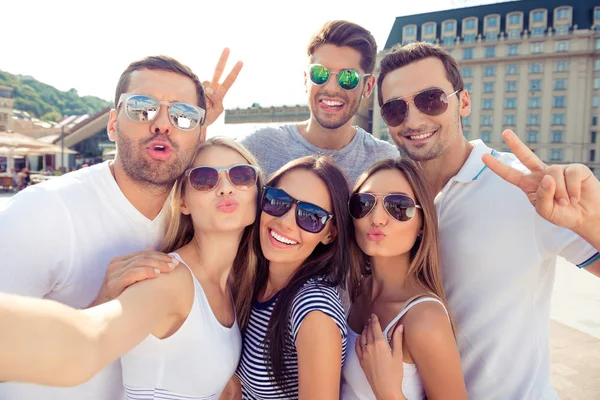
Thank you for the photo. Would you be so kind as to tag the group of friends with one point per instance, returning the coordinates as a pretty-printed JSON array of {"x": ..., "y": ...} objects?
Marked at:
[{"x": 302, "y": 261}]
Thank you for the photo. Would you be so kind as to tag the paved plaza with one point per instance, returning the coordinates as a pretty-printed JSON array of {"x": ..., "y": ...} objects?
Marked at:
[{"x": 575, "y": 331}]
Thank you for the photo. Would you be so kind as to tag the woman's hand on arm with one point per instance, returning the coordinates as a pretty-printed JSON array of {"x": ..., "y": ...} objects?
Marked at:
[
  {"x": 381, "y": 364},
  {"x": 432, "y": 346},
  {"x": 319, "y": 349}
]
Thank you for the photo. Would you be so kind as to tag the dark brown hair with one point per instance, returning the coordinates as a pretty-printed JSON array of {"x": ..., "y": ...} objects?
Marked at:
[
  {"x": 425, "y": 254},
  {"x": 159, "y": 63},
  {"x": 347, "y": 34},
  {"x": 400, "y": 56},
  {"x": 330, "y": 261}
]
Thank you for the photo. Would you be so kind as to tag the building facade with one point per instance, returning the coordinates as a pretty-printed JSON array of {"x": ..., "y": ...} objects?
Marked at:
[
  {"x": 532, "y": 66},
  {"x": 6, "y": 108},
  {"x": 258, "y": 114}
]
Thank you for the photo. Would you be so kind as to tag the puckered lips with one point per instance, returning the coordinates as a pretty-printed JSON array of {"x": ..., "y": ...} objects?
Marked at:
[
  {"x": 376, "y": 235},
  {"x": 279, "y": 240},
  {"x": 159, "y": 150},
  {"x": 227, "y": 205}
]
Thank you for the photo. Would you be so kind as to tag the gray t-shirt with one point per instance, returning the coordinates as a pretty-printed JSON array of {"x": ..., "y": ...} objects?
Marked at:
[{"x": 276, "y": 146}]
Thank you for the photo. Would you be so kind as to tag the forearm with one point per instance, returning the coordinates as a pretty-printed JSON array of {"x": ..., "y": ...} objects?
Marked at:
[{"x": 590, "y": 231}]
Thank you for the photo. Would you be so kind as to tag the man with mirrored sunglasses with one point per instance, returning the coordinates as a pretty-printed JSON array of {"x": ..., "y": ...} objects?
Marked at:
[
  {"x": 82, "y": 238},
  {"x": 341, "y": 59},
  {"x": 503, "y": 222}
]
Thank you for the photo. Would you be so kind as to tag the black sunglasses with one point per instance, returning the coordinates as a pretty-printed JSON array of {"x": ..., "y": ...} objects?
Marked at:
[
  {"x": 309, "y": 217},
  {"x": 431, "y": 102},
  {"x": 399, "y": 206}
]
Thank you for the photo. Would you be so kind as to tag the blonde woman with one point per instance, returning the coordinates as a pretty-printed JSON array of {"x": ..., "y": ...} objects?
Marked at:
[
  {"x": 397, "y": 293},
  {"x": 183, "y": 324}
]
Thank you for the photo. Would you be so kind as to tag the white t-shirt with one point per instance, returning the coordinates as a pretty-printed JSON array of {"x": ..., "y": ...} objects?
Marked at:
[
  {"x": 56, "y": 241},
  {"x": 498, "y": 263}
]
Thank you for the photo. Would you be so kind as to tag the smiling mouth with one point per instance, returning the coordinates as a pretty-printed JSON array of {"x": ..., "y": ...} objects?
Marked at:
[
  {"x": 421, "y": 136},
  {"x": 332, "y": 104},
  {"x": 281, "y": 239}
]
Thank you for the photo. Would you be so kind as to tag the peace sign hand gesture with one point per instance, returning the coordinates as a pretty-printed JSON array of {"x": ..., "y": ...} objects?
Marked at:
[
  {"x": 215, "y": 92},
  {"x": 566, "y": 195}
]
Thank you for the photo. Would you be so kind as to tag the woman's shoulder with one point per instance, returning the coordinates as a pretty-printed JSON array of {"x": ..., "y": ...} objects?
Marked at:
[
  {"x": 426, "y": 321},
  {"x": 318, "y": 288}
]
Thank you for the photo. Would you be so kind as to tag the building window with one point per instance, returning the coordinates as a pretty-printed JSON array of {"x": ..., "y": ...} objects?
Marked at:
[
  {"x": 560, "y": 84},
  {"x": 597, "y": 13},
  {"x": 466, "y": 134},
  {"x": 536, "y": 68},
  {"x": 489, "y": 70},
  {"x": 486, "y": 136},
  {"x": 537, "y": 48},
  {"x": 562, "y": 30},
  {"x": 532, "y": 136},
  {"x": 488, "y": 87},
  {"x": 533, "y": 119},
  {"x": 562, "y": 45},
  {"x": 429, "y": 29},
  {"x": 513, "y": 49},
  {"x": 466, "y": 120},
  {"x": 597, "y": 65},
  {"x": 512, "y": 69},
  {"x": 410, "y": 30},
  {"x": 593, "y": 137},
  {"x": 597, "y": 44},
  {"x": 537, "y": 32},
  {"x": 514, "y": 19},
  {"x": 561, "y": 66},
  {"x": 467, "y": 54},
  {"x": 559, "y": 101},
  {"x": 487, "y": 104},
  {"x": 468, "y": 87},
  {"x": 595, "y": 101},
  {"x": 558, "y": 119},
  {"x": 467, "y": 72},
  {"x": 486, "y": 120},
  {"x": 448, "y": 41},
  {"x": 596, "y": 83},
  {"x": 470, "y": 23},
  {"x": 556, "y": 154},
  {"x": 534, "y": 102},
  {"x": 592, "y": 155},
  {"x": 490, "y": 51},
  {"x": 535, "y": 84},
  {"x": 491, "y": 37},
  {"x": 511, "y": 86},
  {"x": 514, "y": 34},
  {"x": 557, "y": 136},
  {"x": 470, "y": 39},
  {"x": 449, "y": 26},
  {"x": 510, "y": 120},
  {"x": 538, "y": 16},
  {"x": 510, "y": 103},
  {"x": 594, "y": 120},
  {"x": 563, "y": 13},
  {"x": 491, "y": 22}
]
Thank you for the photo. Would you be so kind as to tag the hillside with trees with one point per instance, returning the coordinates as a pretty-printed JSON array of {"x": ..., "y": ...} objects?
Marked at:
[{"x": 46, "y": 102}]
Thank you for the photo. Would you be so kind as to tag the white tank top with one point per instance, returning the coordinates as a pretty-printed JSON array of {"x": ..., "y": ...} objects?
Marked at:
[
  {"x": 196, "y": 362},
  {"x": 355, "y": 385}
]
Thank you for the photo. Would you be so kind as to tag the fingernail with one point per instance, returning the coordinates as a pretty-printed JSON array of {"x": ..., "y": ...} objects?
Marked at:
[
  {"x": 401, "y": 328},
  {"x": 173, "y": 263},
  {"x": 157, "y": 270},
  {"x": 373, "y": 316},
  {"x": 563, "y": 202},
  {"x": 545, "y": 183}
]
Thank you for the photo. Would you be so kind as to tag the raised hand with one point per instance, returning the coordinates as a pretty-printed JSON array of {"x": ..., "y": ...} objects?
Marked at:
[
  {"x": 566, "y": 195},
  {"x": 381, "y": 363},
  {"x": 215, "y": 92}
]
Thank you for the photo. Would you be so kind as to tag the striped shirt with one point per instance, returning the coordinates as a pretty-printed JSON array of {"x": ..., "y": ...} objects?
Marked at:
[{"x": 314, "y": 295}]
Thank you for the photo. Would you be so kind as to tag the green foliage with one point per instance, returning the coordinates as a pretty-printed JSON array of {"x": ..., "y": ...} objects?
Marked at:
[{"x": 46, "y": 102}]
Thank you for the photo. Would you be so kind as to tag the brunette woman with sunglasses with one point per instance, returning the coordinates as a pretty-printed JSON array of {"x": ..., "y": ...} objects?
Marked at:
[
  {"x": 178, "y": 335},
  {"x": 399, "y": 327},
  {"x": 295, "y": 341}
]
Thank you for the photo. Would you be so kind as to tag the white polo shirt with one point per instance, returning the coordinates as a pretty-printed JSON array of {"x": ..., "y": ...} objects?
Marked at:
[{"x": 498, "y": 263}]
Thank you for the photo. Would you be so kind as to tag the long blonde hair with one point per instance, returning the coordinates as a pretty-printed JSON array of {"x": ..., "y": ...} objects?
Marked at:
[
  {"x": 425, "y": 263},
  {"x": 180, "y": 231}
]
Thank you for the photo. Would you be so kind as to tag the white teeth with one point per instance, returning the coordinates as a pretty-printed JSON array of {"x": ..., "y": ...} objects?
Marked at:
[
  {"x": 421, "y": 136},
  {"x": 282, "y": 239},
  {"x": 332, "y": 103}
]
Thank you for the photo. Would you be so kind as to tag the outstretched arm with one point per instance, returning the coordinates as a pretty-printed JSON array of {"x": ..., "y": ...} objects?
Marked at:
[{"x": 566, "y": 195}]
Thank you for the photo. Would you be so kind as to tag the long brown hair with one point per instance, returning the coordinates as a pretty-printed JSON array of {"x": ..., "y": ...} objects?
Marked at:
[
  {"x": 330, "y": 261},
  {"x": 180, "y": 231},
  {"x": 425, "y": 263}
]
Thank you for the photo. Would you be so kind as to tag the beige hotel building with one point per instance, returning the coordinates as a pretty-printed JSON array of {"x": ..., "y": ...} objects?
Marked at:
[{"x": 532, "y": 66}]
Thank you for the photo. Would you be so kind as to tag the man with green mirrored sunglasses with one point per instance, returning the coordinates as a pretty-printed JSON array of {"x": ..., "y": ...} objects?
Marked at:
[{"x": 341, "y": 59}]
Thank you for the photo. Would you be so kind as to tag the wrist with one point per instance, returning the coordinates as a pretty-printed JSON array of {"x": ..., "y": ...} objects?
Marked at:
[{"x": 590, "y": 231}]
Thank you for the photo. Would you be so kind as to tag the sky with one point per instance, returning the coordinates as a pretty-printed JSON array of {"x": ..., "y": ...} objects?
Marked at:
[{"x": 86, "y": 45}]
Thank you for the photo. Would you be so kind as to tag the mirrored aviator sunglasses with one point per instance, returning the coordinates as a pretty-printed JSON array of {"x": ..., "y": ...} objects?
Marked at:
[
  {"x": 432, "y": 102},
  {"x": 309, "y": 217},
  {"x": 143, "y": 108},
  {"x": 205, "y": 178},
  {"x": 348, "y": 79},
  {"x": 399, "y": 206}
]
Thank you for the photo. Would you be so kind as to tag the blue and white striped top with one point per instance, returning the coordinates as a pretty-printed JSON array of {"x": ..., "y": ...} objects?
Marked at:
[{"x": 314, "y": 295}]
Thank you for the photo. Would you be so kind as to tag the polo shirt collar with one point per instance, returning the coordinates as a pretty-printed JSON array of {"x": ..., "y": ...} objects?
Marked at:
[{"x": 474, "y": 166}]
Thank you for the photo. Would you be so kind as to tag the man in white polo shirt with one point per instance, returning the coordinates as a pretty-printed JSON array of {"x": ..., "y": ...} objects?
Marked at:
[{"x": 498, "y": 253}]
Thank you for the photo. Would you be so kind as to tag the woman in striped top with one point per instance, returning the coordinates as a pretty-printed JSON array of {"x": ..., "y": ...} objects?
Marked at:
[
  {"x": 398, "y": 283},
  {"x": 295, "y": 342}
]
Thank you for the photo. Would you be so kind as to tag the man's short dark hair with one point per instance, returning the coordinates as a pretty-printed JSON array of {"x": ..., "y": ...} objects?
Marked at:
[
  {"x": 159, "y": 63},
  {"x": 347, "y": 34}
]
